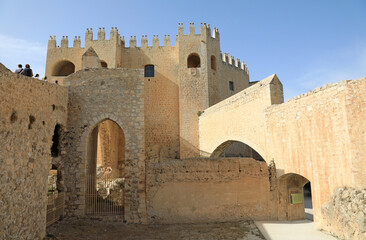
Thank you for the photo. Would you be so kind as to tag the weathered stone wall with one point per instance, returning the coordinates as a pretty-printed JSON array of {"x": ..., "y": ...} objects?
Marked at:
[
  {"x": 161, "y": 94},
  {"x": 206, "y": 190},
  {"x": 345, "y": 214},
  {"x": 29, "y": 111},
  {"x": 96, "y": 95},
  {"x": 311, "y": 135}
]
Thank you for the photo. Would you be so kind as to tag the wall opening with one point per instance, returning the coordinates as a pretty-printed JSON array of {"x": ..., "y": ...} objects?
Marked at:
[
  {"x": 233, "y": 148},
  {"x": 55, "y": 148},
  {"x": 105, "y": 170},
  {"x": 63, "y": 68},
  {"x": 104, "y": 64},
  {"x": 55, "y": 196},
  {"x": 193, "y": 61},
  {"x": 231, "y": 85},
  {"x": 308, "y": 203},
  {"x": 149, "y": 71},
  {"x": 213, "y": 62},
  {"x": 294, "y": 198}
]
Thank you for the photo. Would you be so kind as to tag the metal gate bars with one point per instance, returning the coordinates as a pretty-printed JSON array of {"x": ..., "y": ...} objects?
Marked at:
[{"x": 104, "y": 195}]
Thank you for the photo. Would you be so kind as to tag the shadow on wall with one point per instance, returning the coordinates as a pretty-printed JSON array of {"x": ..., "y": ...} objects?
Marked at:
[
  {"x": 234, "y": 148},
  {"x": 187, "y": 146}
]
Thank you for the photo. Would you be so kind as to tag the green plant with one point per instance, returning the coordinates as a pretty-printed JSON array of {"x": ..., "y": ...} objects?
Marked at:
[{"x": 199, "y": 113}]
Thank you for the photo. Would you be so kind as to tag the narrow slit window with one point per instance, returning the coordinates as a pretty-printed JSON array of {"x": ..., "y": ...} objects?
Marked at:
[
  {"x": 149, "y": 71},
  {"x": 231, "y": 85},
  {"x": 213, "y": 62}
]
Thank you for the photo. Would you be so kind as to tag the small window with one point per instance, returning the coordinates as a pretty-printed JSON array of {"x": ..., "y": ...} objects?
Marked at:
[
  {"x": 149, "y": 71},
  {"x": 231, "y": 85},
  {"x": 193, "y": 61},
  {"x": 213, "y": 62}
]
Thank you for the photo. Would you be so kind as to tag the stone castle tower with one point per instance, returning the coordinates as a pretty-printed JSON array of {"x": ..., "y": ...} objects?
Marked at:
[{"x": 180, "y": 81}]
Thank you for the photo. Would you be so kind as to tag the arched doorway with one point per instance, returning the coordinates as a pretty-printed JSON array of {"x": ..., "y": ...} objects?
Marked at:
[
  {"x": 234, "y": 148},
  {"x": 63, "y": 68},
  {"x": 105, "y": 170},
  {"x": 103, "y": 64},
  {"x": 294, "y": 197},
  {"x": 193, "y": 61}
]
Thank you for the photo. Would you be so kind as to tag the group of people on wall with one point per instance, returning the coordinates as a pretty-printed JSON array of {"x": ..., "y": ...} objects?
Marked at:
[{"x": 27, "y": 71}]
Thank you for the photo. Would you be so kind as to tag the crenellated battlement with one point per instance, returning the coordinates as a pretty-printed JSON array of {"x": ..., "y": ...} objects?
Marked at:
[
  {"x": 229, "y": 60},
  {"x": 205, "y": 30},
  {"x": 145, "y": 42},
  {"x": 114, "y": 35}
]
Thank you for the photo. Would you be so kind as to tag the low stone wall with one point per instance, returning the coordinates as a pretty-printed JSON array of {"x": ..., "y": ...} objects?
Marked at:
[
  {"x": 207, "y": 190},
  {"x": 29, "y": 111},
  {"x": 345, "y": 214}
]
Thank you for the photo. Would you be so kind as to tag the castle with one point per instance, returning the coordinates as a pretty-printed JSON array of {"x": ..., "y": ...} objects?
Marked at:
[{"x": 176, "y": 134}]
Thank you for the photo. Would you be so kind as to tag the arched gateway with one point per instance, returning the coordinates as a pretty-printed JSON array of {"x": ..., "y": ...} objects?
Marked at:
[{"x": 105, "y": 171}]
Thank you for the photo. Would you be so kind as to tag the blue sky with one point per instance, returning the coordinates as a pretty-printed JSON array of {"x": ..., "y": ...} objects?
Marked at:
[{"x": 306, "y": 43}]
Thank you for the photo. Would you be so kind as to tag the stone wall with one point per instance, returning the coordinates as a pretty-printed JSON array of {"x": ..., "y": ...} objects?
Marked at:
[
  {"x": 318, "y": 135},
  {"x": 314, "y": 135},
  {"x": 240, "y": 118},
  {"x": 207, "y": 190},
  {"x": 29, "y": 111},
  {"x": 345, "y": 214},
  {"x": 96, "y": 95}
]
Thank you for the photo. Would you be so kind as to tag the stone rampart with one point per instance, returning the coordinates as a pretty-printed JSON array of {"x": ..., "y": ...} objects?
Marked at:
[{"x": 30, "y": 110}]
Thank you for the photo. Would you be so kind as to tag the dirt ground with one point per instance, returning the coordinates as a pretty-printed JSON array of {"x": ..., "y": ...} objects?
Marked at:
[{"x": 75, "y": 229}]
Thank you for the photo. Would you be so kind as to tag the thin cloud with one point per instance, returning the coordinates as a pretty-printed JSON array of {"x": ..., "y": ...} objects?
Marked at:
[
  {"x": 14, "y": 51},
  {"x": 345, "y": 65}
]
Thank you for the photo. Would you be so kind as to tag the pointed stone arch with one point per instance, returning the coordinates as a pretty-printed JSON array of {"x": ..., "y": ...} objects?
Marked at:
[{"x": 105, "y": 169}]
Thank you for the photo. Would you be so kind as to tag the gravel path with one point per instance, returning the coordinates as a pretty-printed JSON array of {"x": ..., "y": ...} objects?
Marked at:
[{"x": 71, "y": 229}]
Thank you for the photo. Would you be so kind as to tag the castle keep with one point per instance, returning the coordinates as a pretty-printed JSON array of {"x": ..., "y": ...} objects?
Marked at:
[
  {"x": 176, "y": 134},
  {"x": 179, "y": 80}
]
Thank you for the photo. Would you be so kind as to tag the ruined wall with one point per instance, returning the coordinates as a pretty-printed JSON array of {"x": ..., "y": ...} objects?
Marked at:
[
  {"x": 207, "y": 190},
  {"x": 320, "y": 135},
  {"x": 96, "y": 95},
  {"x": 29, "y": 111},
  {"x": 216, "y": 123},
  {"x": 344, "y": 214}
]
